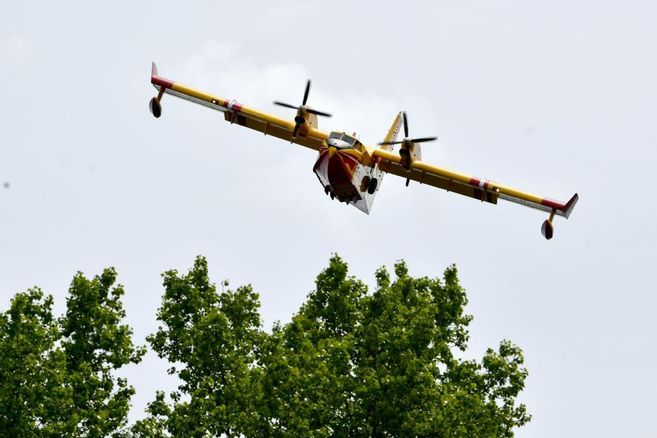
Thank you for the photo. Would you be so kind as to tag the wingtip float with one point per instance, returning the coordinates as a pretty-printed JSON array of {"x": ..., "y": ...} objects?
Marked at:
[{"x": 350, "y": 170}]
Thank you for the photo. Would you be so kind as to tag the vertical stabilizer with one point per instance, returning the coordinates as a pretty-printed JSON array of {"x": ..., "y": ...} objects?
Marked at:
[
  {"x": 370, "y": 181},
  {"x": 393, "y": 132}
]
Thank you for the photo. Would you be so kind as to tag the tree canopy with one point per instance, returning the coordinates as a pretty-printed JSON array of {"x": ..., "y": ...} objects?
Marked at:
[
  {"x": 349, "y": 363},
  {"x": 57, "y": 375}
]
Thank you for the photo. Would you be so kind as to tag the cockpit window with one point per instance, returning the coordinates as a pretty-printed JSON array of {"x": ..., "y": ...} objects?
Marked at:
[
  {"x": 348, "y": 139},
  {"x": 340, "y": 138}
]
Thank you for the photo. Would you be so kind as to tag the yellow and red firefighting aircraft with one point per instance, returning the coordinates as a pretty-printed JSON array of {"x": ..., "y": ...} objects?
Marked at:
[{"x": 351, "y": 171}]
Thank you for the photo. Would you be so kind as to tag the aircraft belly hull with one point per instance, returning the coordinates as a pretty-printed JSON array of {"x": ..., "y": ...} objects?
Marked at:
[{"x": 341, "y": 174}]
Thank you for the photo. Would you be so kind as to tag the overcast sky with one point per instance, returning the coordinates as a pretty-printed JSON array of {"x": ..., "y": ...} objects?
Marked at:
[{"x": 551, "y": 97}]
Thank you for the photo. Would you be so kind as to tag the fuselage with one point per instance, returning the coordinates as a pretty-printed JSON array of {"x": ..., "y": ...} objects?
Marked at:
[{"x": 342, "y": 175}]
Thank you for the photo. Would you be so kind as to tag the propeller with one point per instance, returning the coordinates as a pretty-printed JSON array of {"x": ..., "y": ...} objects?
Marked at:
[
  {"x": 303, "y": 106},
  {"x": 406, "y": 150},
  {"x": 408, "y": 141}
]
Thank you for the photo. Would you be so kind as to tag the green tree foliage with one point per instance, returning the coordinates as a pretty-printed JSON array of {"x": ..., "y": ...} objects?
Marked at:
[
  {"x": 349, "y": 363},
  {"x": 215, "y": 337},
  {"x": 57, "y": 376},
  {"x": 30, "y": 366}
]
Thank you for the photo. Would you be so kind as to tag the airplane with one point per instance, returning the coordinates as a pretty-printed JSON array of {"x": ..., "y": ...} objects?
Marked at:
[{"x": 351, "y": 171}]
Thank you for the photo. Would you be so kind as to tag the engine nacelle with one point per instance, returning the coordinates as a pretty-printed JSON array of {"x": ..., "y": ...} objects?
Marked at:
[
  {"x": 304, "y": 121},
  {"x": 312, "y": 120},
  {"x": 409, "y": 153}
]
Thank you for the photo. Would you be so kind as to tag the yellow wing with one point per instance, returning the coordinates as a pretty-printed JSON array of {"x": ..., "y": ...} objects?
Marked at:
[
  {"x": 235, "y": 112},
  {"x": 471, "y": 186}
]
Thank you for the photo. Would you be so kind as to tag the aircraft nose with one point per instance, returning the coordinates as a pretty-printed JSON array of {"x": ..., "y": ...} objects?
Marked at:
[{"x": 331, "y": 151}]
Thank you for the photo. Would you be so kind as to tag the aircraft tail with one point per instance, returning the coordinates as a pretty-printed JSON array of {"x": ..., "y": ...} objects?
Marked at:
[
  {"x": 372, "y": 182},
  {"x": 393, "y": 132}
]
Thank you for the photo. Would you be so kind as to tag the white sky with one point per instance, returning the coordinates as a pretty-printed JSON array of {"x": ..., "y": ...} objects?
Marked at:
[{"x": 551, "y": 97}]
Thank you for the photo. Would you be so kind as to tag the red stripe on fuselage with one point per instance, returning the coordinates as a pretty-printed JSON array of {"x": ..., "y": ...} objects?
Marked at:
[
  {"x": 340, "y": 170},
  {"x": 348, "y": 161},
  {"x": 337, "y": 169}
]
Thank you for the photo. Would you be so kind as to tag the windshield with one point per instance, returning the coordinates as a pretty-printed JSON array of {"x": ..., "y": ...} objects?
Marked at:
[
  {"x": 348, "y": 139},
  {"x": 340, "y": 137}
]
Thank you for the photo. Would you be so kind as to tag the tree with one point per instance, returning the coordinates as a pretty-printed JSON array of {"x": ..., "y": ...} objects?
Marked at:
[
  {"x": 57, "y": 376},
  {"x": 349, "y": 363},
  {"x": 96, "y": 345},
  {"x": 215, "y": 337},
  {"x": 30, "y": 366}
]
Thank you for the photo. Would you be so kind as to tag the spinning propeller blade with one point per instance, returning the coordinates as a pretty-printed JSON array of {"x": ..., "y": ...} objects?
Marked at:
[
  {"x": 319, "y": 113},
  {"x": 405, "y": 124},
  {"x": 305, "y": 93},
  {"x": 303, "y": 106},
  {"x": 286, "y": 105},
  {"x": 422, "y": 139}
]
